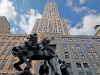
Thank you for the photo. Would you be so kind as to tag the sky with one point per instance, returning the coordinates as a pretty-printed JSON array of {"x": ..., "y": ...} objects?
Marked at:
[{"x": 81, "y": 15}]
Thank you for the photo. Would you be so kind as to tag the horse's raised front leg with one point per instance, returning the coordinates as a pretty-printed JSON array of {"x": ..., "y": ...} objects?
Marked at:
[
  {"x": 16, "y": 65},
  {"x": 28, "y": 64},
  {"x": 51, "y": 65}
]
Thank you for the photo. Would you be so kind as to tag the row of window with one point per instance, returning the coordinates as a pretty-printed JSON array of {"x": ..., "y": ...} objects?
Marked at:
[
  {"x": 77, "y": 46},
  {"x": 81, "y": 39},
  {"x": 9, "y": 44},
  {"x": 18, "y": 38},
  {"x": 80, "y": 69},
  {"x": 63, "y": 39},
  {"x": 96, "y": 55},
  {"x": 57, "y": 20},
  {"x": 74, "y": 54},
  {"x": 13, "y": 38}
]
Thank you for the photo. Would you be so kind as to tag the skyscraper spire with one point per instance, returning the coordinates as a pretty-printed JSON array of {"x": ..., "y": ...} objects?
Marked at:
[{"x": 50, "y": 10}]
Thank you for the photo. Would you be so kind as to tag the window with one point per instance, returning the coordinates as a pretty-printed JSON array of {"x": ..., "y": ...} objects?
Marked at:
[
  {"x": 78, "y": 46},
  {"x": 9, "y": 44},
  {"x": 66, "y": 55},
  {"x": 14, "y": 38},
  {"x": 52, "y": 38},
  {"x": 87, "y": 40},
  {"x": 25, "y": 38},
  {"x": 64, "y": 46},
  {"x": 11, "y": 67},
  {"x": 91, "y": 47},
  {"x": 3, "y": 64},
  {"x": 81, "y": 55},
  {"x": 98, "y": 39},
  {"x": 18, "y": 38},
  {"x": 90, "y": 54},
  {"x": 3, "y": 73},
  {"x": 14, "y": 44},
  {"x": 75, "y": 39},
  {"x": 87, "y": 68},
  {"x": 80, "y": 70},
  {"x": 96, "y": 65},
  {"x": 69, "y": 68},
  {"x": 98, "y": 46},
  {"x": 4, "y": 37},
  {"x": 91, "y": 57},
  {"x": 8, "y": 38},
  {"x": 5, "y": 52},
  {"x": 82, "y": 39},
  {"x": 94, "y": 40},
  {"x": 72, "y": 46},
  {"x": 9, "y": 53},
  {"x": 96, "y": 55},
  {"x": 86, "y": 47},
  {"x": 70, "y": 39},
  {"x": 2, "y": 43},
  {"x": 75, "y": 55},
  {"x": 63, "y": 39}
]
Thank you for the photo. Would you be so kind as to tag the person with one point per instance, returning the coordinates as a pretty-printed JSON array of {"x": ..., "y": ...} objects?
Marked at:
[
  {"x": 63, "y": 68},
  {"x": 44, "y": 69},
  {"x": 33, "y": 39}
]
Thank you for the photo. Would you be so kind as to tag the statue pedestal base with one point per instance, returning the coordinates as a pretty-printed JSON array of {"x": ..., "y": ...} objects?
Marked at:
[{"x": 25, "y": 72}]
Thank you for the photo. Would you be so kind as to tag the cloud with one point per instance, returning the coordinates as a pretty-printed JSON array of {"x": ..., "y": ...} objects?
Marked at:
[
  {"x": 93, "y": 11},
  {"x": 86, "y": 26},
  {"x": 82, "y": 1},
  {"x": 69, "y": 21},
  {"x": 75, "y": 8},
  {"x": 79, "y": 9},
  {"x": 25, "y": 2},
  {"x": 8, "y": 10},
  {"x": 27, "y": 20},
  {"x": 83, "y": 9},
  {"x": 13, "y": 30},
  {"x": 69, "y": 3}
]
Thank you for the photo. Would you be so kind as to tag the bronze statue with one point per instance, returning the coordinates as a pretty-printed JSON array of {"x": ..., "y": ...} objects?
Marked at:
[{"x": 33, "y": 50}]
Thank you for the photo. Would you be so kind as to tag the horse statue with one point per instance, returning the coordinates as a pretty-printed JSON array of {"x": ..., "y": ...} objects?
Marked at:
[{"x": 32, "y": 50}]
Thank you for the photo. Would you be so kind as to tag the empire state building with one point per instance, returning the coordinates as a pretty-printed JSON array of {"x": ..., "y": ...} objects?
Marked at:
[{"x": 50, "y": 21}]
